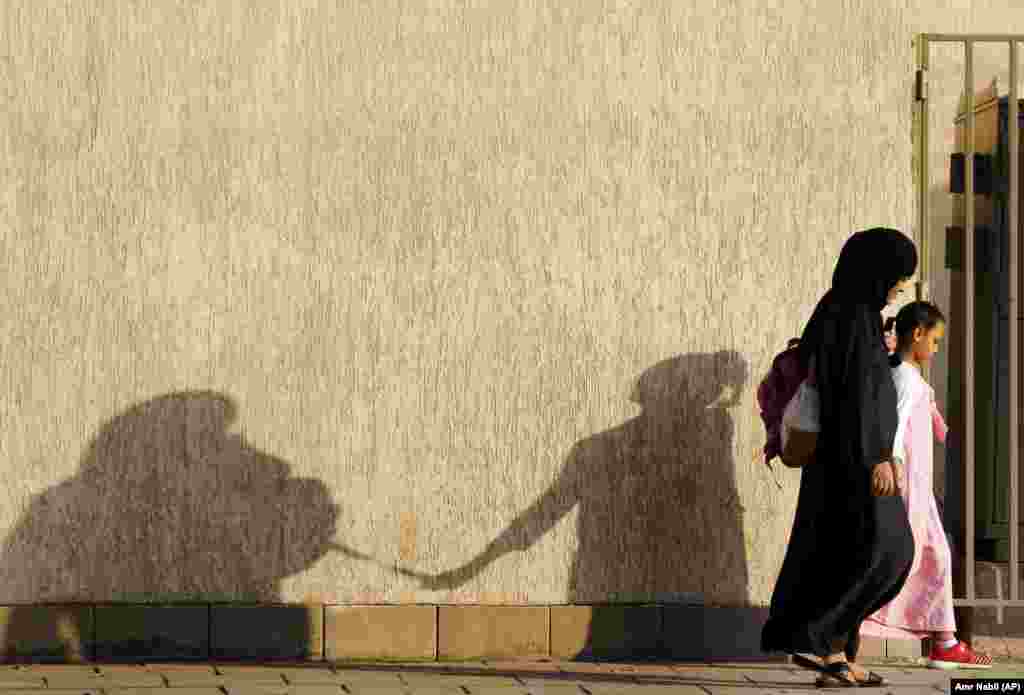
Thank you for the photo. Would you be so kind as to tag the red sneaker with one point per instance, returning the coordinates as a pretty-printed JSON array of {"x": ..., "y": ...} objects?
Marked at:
[{"x": 957, "y": 657}]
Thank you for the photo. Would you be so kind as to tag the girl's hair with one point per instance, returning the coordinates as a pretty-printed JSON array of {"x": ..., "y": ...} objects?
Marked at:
[
  {"x": 923, "y": 315},
  {"x": 889, "y": 323}
]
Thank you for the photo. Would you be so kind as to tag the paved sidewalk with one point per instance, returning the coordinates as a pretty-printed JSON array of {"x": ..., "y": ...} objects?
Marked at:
[{"x": 479, "y": 678}]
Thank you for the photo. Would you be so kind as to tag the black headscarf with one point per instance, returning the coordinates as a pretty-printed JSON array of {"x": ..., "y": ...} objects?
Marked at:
[
  {"x": 871, "y": 263},
  {"x": 844, "y": 336}
]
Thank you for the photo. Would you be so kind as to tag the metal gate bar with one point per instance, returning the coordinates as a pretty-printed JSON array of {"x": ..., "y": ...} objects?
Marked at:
[
  {"x": 969, "y": 282},
  {"x": 1012, "y": 304},
  {"x": 968, "y": 41}
]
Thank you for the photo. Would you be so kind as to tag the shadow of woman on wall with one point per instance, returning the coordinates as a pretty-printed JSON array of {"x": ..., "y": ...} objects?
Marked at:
[
  {"x": 167, "y": 506},
  {"x": 659, "y": 517}
]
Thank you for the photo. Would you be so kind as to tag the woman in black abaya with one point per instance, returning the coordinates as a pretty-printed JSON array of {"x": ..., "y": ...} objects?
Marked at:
[{"x": 851, "y": 546}]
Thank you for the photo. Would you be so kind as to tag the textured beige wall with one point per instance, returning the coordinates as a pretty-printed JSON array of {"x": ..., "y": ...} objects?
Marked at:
[{"x": 418, "y": 256}]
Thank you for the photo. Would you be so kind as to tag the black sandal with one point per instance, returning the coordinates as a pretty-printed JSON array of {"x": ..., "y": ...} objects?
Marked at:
[
  {"x": 809, "y": 664},
  {"x": 873, "y": 681},
  {"x": 837, "y": 675},
  {"x": 840, "y": 671}
]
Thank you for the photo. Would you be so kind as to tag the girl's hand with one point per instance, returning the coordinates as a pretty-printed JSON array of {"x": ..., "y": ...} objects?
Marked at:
[{"x": 939, "y": 427}]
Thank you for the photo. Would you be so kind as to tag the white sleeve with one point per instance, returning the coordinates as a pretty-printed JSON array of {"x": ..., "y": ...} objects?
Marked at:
[
  {"x": 802, "y": 412},
  {"x": 904, "y": 404}
]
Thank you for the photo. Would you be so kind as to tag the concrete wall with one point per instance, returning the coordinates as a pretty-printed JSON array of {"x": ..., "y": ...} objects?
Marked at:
[{"x": 483, "y": 290}]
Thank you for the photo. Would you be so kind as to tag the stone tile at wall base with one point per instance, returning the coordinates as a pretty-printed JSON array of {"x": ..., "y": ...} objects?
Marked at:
[
  {"x": 476, "y": 632},
  {"x": 704, "y": 633},
  {"x": 46, "y": 633},
  {"x": 409, "y": 633},
  {"x": 136, "y": 632},
  {"x": 605, "y": 632},
  {"x": 266, "y": 632},
  {"x": 381, "y": 633},
  {"x": 903, "y": 648}
]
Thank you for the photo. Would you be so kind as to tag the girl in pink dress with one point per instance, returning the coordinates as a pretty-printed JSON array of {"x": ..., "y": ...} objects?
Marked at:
[{"x": 924, "y": 607}]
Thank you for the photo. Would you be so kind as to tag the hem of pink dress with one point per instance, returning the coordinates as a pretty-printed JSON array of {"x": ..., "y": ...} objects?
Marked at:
[{"x": 873, "y": 628}]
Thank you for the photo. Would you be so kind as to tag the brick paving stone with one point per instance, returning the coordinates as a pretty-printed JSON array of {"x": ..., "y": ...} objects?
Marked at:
[
  {"x": 371, "y": 689},
  {"x": 252, "y": 674},
  {"x": 703, "y": 675},
  {"x": 540, "y": 686},
  {"x": 899, "y": 681},
  {"x": 371, "y": 681},
  {"x": 191, "y": 678},
  {"x": 558, "y": 678},
  {"x": 598, "y": 684},
  {"x": 243, "y": 688},
  {"x": 14, "y": 680},
  {"x": 994, "y": 672},
  {"x": 591, "y": 670},
  {"x": 780, "y": 678},
  {"x": 474, "y": 682},
  {"x": 751, "y": 689},
  {"x": 573, "y": 677},
  {"x": 386, "y": 676},
  {"x": 437, "y": 682},
  {"x": 310, "y": 676},
  {"x": 183, "y": 668},
  {"x": 625, "y": 688},
  {"x": 907, "y": 677},
  {"x": 520, "y": 665},
  {"x": 655, "y": 669},
  {"x": 60, "y": 668},
  {"x": 482, "y": 688},
  {"x": 130, "y": 677},
  {"x": 65, "y": 681}
]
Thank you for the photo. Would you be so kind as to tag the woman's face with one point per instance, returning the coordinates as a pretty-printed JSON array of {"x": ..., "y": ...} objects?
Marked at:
[{"x": 897, "y": 290}]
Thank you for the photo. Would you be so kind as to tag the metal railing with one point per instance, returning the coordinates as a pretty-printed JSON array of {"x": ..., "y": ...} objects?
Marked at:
[{"x": 968, "y": 41}]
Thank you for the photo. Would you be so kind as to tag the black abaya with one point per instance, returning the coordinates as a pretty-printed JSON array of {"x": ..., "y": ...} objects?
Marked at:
[{"x": 849, "y": 552}]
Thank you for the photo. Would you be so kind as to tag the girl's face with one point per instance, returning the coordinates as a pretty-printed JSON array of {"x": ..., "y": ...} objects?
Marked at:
[
  {"x": 897, "y": 290},
  {"x": 926, "y": 342}
]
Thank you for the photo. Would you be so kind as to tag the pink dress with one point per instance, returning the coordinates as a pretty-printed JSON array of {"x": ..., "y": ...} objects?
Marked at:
[{"x": 926, "y": 602}]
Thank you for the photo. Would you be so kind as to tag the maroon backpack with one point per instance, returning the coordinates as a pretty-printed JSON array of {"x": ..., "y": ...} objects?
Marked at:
[{"x": 774, "y": 394}]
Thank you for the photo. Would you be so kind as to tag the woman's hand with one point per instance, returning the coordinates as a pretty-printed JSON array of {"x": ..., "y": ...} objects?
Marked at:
[
  {"x": 899, "y": 471},
  {"x": 883, "y": 479}
]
